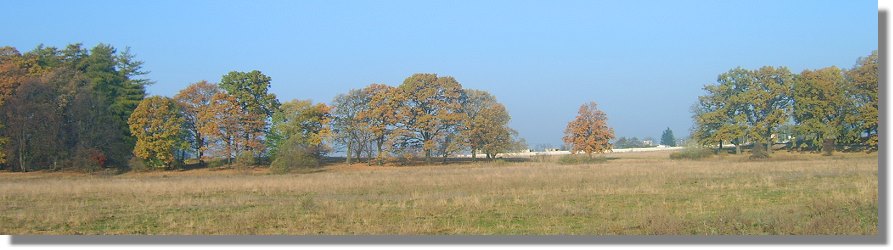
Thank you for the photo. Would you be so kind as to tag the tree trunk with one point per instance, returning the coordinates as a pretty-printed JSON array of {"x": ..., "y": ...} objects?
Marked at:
[
  {"x": 379, "y": 151},
  {"x": 739, "y": 145},
  {"x": 720, "y": 146},
  {"x": 22, "y": 151},
  {"x": 473, "y": 154},
  {"x": 349, "y": 142},
  {"x": 769, "y": 141},
  {"x": 201, "y": 153},
  {"x": 358, "y": 155},
  {"x": 828, "y": 147},
  {"x": 427, "y": 156}
]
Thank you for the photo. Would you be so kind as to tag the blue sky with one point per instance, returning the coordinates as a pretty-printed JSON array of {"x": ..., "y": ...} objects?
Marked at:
[{"x": 644, "y": 62}]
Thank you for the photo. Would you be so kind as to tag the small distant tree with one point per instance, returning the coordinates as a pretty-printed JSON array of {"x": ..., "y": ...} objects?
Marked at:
[
  {"x": 589, "y": 131},
  {"x": 156, "y": 123},
  {"x": 667, "y": 138}
]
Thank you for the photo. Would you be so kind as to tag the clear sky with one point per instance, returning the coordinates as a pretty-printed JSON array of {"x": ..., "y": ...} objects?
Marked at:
[{"x": 644, "y": 62}]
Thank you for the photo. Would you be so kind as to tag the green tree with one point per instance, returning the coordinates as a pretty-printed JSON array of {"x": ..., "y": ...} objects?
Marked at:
[
  {"x": 107, "y": 82},
  {"x": 301, "y": 122},
  {"x": 864, "y": 78},
  {"x": 721, "y": 114},
  {"x": 821, "y": 106},
  {"x": 251, "y": 90},
  {"x": 156, "y": 123},
  {"x": 667, "y": 138},
  {"x": 768, "y": 100}
]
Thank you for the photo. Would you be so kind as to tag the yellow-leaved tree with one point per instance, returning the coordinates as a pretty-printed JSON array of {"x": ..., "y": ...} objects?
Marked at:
[
  {"x": 157, "y": 125},
  {"x": 381, "y": 115},
  {"x": 589, "y": 132}
]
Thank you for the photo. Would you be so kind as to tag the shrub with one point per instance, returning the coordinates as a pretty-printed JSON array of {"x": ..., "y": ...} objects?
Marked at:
[
  {"x": 245, "y": 159},
  {"x": 692, "y": 152},
  {"x": 137, "y": 164},
  {"x": 759, "y": 152},
  {"x": 88, "y": 159},
  {"x": 292, "y": 156}
]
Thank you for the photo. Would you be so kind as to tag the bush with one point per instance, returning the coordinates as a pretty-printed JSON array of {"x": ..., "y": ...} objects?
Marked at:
[
  {"x": 580, "y": 159},
  {"x": 292, "y": 156},
  {"x": 692, "y": 152},
  {"x": 88, "y": 159},
  {"x": 137, "y": 164},
  {"x": 246, "y": 159},
  {"x": 759, "y": 152}
]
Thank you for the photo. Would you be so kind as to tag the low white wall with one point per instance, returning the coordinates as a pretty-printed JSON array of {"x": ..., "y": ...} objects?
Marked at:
[{"x": 530, "y": 154}]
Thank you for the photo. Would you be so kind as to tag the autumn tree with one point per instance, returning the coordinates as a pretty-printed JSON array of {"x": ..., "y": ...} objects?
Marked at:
[
  {"x": 157, "y": 124},
  {"x": 486, "y": 126},
  {"x": 10, "y": 71},
  {"x": 194, "y": 100},
  {"x": 381, "y": 115},
  {"x": 223, "y": 124},
  {"x": 33, "y": 125},
  {"x": 589, "y": 131},
  {"x": 348, "y": 127},
  {"x": 251, "y": 91},
  {"x": 864, "y": 78},
  {"x": 667, "y": 138},
  {"x": 431, "y": 110}
]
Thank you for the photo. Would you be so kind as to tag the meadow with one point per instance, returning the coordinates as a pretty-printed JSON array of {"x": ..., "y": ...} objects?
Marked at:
[{"x": 626, "y": 194}]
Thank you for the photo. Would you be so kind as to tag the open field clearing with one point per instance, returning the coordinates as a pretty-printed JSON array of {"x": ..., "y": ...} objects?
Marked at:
[{"x": 630, "y": 194}]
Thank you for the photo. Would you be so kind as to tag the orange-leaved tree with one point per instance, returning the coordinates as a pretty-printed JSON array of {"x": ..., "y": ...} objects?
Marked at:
[
  {"x": 195, "y": 99},
  {"x": 589, "y": 132},
  {"x": 225, "y": 124}
]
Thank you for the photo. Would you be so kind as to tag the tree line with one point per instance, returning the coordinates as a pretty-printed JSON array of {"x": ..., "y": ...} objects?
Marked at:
[
  {"x": 67, "y": 107},
  {"x": 816, "y": 110},
  {"x": 88, "y": 109}
]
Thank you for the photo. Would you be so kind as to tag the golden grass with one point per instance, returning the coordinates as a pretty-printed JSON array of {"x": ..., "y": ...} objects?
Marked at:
[{"x": 630, "y": 194}]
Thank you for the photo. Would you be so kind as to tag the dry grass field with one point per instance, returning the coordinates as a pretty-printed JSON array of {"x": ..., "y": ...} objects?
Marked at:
[{"x": 630, "y": 194}]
